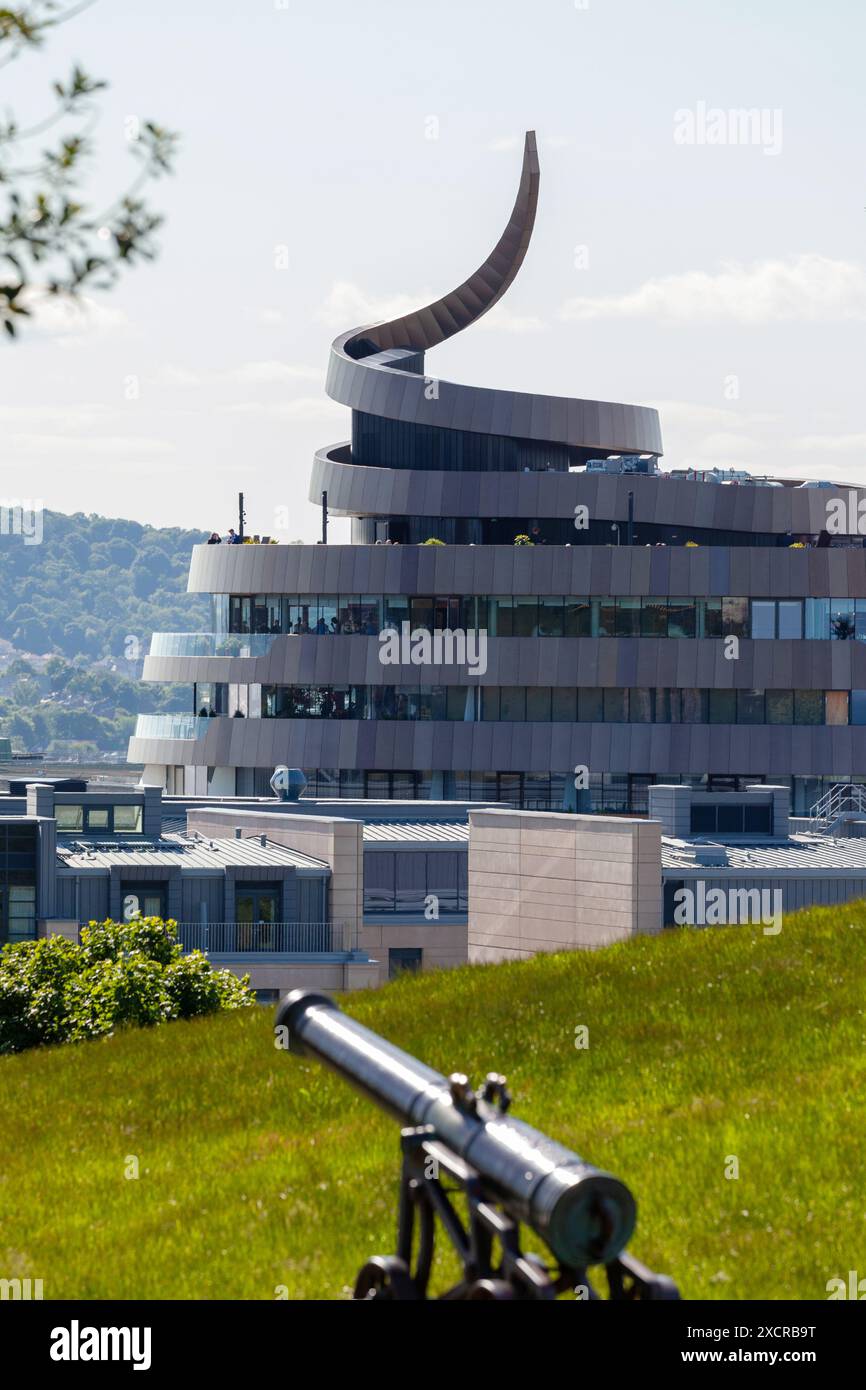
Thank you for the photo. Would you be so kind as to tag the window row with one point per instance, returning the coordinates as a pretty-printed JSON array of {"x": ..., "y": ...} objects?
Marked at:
[
  {"x": 556, "y": 616},
  {"x": 415, "y": 881},
  {"x": 546, "y": 704}
]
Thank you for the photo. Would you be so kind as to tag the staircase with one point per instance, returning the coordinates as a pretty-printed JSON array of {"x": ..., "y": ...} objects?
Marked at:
[{"x": 843, "y": 802}]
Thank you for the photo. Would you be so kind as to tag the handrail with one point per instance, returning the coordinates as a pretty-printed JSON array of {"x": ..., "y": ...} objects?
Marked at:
[{"x": 842, "y": 798}]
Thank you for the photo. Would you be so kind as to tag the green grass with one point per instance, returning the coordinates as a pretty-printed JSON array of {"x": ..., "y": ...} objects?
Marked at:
[{"x": 259, "y": 1170}]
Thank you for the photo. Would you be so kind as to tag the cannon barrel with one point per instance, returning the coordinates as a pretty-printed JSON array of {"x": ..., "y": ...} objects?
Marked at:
[{"x": 584, "y": 1215}]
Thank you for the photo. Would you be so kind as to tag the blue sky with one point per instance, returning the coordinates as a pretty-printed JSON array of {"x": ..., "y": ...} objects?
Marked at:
[{"x": 724, "y": 283}]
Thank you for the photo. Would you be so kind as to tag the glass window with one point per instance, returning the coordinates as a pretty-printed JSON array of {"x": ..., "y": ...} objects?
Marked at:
[
  {"x": 127, "y": 818},
  {"x": 442, "y": 877},
  {"x": 69, "y": 817},
  {"x": 396, "y": 611},
  {"x": 615, "y": 705},
  {"x": 347, "y": 613},
  {"x": 379, "y": 885},
  {"x": 628, "y": 617},
  {"x": 526, "y": 617},
  {"x": 512, "y": 702},
  {"x": 564, "y": 704},
  {"x": 790, "y": 618},
  {"x": 550, "y": 617},
  {"x": 681, "y": 617},
  {"x": 763, "y": 618},
  {"x": 663, "y": 705},
  {"x": 818, "y": 617},
  {"x": 860, "y": 619},
  {"x": 411, "y": 880},
  {"x": 370, "y": 614},
  {"x": 578, "y": 617},
  {"x": 780, "y": 706},
  {"x": 421, "y": 613},
  {"x": 605, "y": 609},
  {"x": 808, "y": 706},
  {"x": 842, "y": 619},
  {"x": 694, "y": 706},
  {"x": 590, "y": 705},
  {"x": 538, "y": 703},
  {"x": 327, "y": 620},
  {"x": 438, "y": 702},
  {"x": 709, "y": 611},
  {"x": 836, "y": 706},
  {"x": 501, "y": 616},
  {"x": 402, "y": 958},
  {"x": 729, "y": 819},
  {"x": 722, "y": 707},
  {"x": 757, "y": 820},
  {"x": 490, "y": 702},
  {"x": 640, "y": 705},
  {"x": 735, "y": 617},
  {"x": 750, "y": 706},
  {"x": 460, "y": 702},
  {"x": 654, "y": 617},
  {"x": 98, "y": 817},
  {"x": 858, "y": 706}
]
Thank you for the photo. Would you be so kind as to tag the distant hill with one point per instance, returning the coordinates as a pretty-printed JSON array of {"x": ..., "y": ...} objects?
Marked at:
[
  {"x": 93, "y": 583},
  {"x": 261, "y": 1170},
  {"x": 77, "y": 612}
]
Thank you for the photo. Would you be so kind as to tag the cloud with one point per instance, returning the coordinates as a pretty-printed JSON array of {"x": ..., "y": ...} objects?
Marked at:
[
  {"x": 831, "y": 443},
  {"x": 275, "y": 371},
  {"x": 502, "y": 320},
  {"x": 305, "y": 408},
  {"x": 809, "y": 288},
  {"x": 348, "y": 306},
  {"x": 56, "y": 316}
]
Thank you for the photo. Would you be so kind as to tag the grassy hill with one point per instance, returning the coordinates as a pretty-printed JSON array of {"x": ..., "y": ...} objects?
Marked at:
[{"x": 259, "y": 1170}]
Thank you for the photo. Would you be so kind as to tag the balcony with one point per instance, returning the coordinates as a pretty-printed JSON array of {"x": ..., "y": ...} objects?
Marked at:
[
  {"x": 269, "y": 938},
  {"x": 228, "y": 644},
  {"x": 180, "y": 726}
]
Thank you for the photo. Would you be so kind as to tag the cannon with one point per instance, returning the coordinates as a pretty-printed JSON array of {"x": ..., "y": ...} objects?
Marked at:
[{"x": 456, "y": 1141}]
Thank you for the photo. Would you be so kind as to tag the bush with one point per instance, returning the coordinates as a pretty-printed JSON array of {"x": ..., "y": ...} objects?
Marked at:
[
  {"x": 523, "y": 540},
  {"x": 55, "y": 990},
  {"x": 433, "y": 540}
]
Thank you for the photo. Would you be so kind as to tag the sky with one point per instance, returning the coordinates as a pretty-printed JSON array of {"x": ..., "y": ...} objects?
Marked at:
[{"x": 341, "y": 161}]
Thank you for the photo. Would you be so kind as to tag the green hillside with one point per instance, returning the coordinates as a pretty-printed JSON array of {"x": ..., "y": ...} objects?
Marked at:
[
  {"x": 258, "y": 1170},
  {"x": 93, "y": 582}
]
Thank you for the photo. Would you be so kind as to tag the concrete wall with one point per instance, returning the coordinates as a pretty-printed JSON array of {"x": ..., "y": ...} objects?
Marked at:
[
  {"x": 542, "y": 881},
  {"x": 443, "y": 943}
]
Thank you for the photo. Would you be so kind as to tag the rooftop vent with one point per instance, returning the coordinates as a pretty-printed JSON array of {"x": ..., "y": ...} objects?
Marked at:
[
  {"x": 711, "y": 854},
  {"x": 238, "y": 833}
]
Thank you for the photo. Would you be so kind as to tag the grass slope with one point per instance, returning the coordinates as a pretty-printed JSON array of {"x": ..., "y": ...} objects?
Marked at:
[{"x": 258, "y": 1170}]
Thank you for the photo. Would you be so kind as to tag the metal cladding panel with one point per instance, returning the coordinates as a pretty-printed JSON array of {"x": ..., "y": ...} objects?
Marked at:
[
  {"x": 620, "y": 570},
  {"x": 837, "y": 571},
  {"x": 660, "y": 568},
  {"x": 503, "y": 569},
  {"x": 687, "y": 664},
  {"x": 523, "y": 569},
  {"x": 607, "y": 663}
]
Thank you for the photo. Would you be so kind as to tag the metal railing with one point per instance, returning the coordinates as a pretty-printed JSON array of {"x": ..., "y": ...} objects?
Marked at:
[
  {"x": 211, "y": 644},
  {"x": 268, "y": 938},
  {"x": 842, "y": 799},
  {"x": 171, "y": 726}
]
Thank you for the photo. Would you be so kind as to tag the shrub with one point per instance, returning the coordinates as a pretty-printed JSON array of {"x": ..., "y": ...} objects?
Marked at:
[
  {"x": 54, "y": 990},
  {"x": 523, "y": 540},
  {"x": 432, "y": 540}
]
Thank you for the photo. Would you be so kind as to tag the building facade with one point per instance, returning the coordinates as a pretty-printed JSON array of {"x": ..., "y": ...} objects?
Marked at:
[{"x": 638, "y": 627}]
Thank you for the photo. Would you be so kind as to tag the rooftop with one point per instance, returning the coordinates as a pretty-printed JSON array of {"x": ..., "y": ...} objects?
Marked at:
[
  {"x": 191, "y": 851},
  {"x": 803, "y": 854}
]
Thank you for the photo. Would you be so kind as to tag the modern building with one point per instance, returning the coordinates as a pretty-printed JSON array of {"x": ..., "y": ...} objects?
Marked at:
[
  {"x": 345, "y": 895},
  {"x": 290, "y": 893},
  {"x": 639, "y": 627}
]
